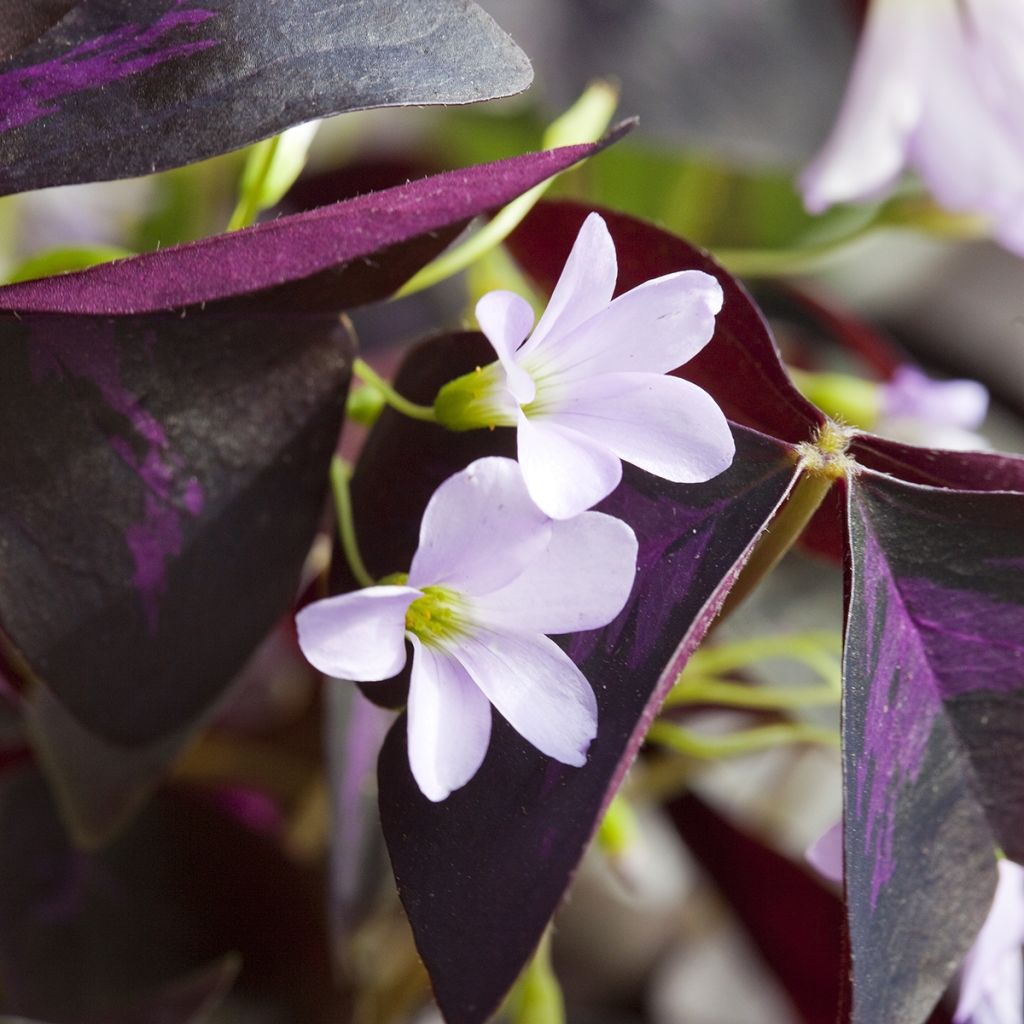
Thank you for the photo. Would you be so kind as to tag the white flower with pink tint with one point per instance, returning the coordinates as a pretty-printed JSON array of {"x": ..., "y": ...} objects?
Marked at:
[
  {"x": 938, "y": 87},
  {"x": 492, "y": 575},
  {"x": 586, "y": 388}
]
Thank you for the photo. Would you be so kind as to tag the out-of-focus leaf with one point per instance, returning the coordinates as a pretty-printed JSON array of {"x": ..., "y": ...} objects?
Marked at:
[
  {"x": 106, "y": 938},
  {"x": 329, "y": 259},
  {"x": 354, "y": 731},
  {"x": 740, "y": 367},
  {"x": 62, "y": 261},
  {"x": 189, "y": 1001},
  {"x": 933, "y": 725},
  {"x": 481, "y": 873},
  {"x": 127, "y": 87},
  {"x": 164, "y": 476},
  {"x": 795, "y": 922}
]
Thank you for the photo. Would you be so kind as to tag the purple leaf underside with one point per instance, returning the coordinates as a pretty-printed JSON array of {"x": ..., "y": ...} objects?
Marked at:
[
  {"x": 120, "y": 88},
  {"x": 481, "y": 873},
  {"x": 933, "y": 729},
  {"x": 164, "y": 477},
  {"x": 26, "y": 20},
  {"x": 740, "y": 366},
  {"x": 332, "y": 258}
]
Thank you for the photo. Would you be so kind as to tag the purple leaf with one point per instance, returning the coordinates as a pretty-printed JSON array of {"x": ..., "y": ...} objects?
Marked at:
[
  {"x": 970, "y": 471},
  {"x": 164, "y": 477},
  {"x": 121, "y": 88},
  {"x": 481, "y": 873},
  {"x": 331, "y": 258},
  {"x": 934, "y": 715},
  {"x": 105, "y": 938},
  {"x": 795, "y": 922},
  {"x": 26, "y": 20},
  {"x": 740, "y": 367}
]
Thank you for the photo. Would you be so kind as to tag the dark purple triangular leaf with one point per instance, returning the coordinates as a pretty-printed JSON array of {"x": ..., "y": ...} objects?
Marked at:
[
  {"x": 740, "y": 367},
  {"x": 969, "y": 471},
  {"x": 933, "y": 722},
  {"x": 90, "y": 938},
  {"x": 330, "y": 258},
  {"x": 793, "y": 919},
  {"x": 25, "y": 21},
  {"x": 163, "y": 479},
  {"x": 121, "y": 88},
  {"x": 481, "y": 873}
]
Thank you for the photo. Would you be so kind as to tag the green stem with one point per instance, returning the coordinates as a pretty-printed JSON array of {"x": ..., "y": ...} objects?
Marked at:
[
  {"x": 340, "y": 474},
  {"x": 709, "y": 690},
  {"x": 746, "y": 741},
  {"x": 807, "y": 495},
  {"x": 618, "y": 827},
  {"x": 369, "y": 376},
  {"x": 248, "y": 207},
  {"x": 536, "y": 997},
  {"x": 585, "y": 121}
]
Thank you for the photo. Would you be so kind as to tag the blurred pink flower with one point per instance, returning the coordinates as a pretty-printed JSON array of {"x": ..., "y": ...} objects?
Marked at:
[
  {"x": 491, "y": 576},
  {"x": 937, "y": 86},
  {"x": 935, "y": 413}
]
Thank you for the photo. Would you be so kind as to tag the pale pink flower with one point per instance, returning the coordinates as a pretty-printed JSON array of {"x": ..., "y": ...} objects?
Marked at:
[
  {"x": 935, "y": 413},
  {"x": 588, "y": 387},
  {"x": 491, "y": 576},
  {"x": 938, "y": 87}
]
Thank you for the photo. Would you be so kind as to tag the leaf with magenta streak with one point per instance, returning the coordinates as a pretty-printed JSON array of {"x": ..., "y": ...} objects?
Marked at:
[
  {"x": 164, "y": 477},
  {"x": 933, "y": 723},
  {"x": 740, "y": 366},
  {"x": 331, "y": 258},
  {"x": 120, "y": 88},
  {"x": 481, "y": 873}
]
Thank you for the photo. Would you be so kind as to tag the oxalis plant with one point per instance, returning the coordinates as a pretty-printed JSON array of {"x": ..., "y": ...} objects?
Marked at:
[{"x": 526, "y": 557}]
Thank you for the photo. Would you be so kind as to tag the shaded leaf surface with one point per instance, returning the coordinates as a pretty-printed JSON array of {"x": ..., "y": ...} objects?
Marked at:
[
  {"x": 163, "y": 480},
  {"x": 740, "y": 367},
  {"x": 127, "y": 87},
  {"x": 481, "y": 873},
  {"x": 90, "y": 937},
  {"x": 934, "y": 714},
  {"x": 26, "y": 20},
  {"x": 328, "y": 259}
]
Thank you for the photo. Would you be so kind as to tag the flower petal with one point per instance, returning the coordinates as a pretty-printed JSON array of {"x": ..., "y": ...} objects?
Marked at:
[
  {"x": 506, "y": 319},
  {"x": 536, "y": 687},
  {"x": 565, "y": 472},
  {"x": 825, "y": 854},
  {"x": 652, "y": 328},
  {"x": 449, "y": 722},
  {"x": 883, "y": 105},
  {"x": 665, "y": 425},
  {"x": 480, "y": 529},
  {"x": 992, "y": 988},
  {"x": 585, "y": 287},
  {"x": 581, "y": 580},
  {"x": 358, "y": 636}
]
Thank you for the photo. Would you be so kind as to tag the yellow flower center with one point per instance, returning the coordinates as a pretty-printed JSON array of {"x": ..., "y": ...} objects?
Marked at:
[{"x": 437, "y": 617}]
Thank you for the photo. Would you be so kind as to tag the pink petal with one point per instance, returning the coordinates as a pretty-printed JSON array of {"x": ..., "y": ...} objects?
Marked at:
[
  {"x": 449, "y": 723},
  {"x": 992, "y": 988},
  {"x": 358, "y": 636},
  {"x": 825, "y": 854},
  {"x": 536, "y": 688},
  {"x": 581, "y": 580},
  {"x": 565, "y": 472},
  {"x": 665, "y": 425},
  {"x": 883, "y": 105},
  {"x": 957, "y": 403},
  {"x": 585, "y": 286},
  {"x": 653, "y": 328},
  {"x": 506, "y": 319},
  {"x": 480, "y": 529}
]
